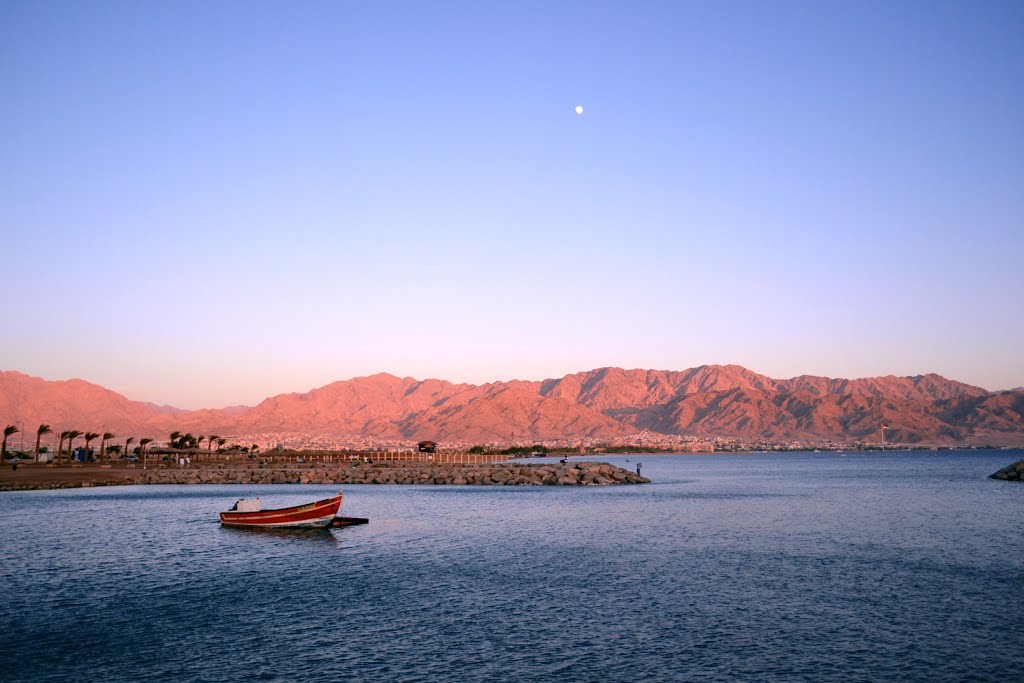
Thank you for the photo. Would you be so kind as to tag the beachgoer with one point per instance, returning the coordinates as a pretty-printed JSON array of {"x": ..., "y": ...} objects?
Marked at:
[{"x": 638, "y": 466}]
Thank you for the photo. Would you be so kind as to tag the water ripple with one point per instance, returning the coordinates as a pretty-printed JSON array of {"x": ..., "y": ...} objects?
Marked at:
[{"x": 781, "y": 568}]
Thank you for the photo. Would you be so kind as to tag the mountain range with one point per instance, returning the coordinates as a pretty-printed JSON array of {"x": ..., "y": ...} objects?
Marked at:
[{"x": 707, "y": 401}]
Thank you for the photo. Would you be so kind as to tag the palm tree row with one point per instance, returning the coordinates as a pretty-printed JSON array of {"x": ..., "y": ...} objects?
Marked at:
[
  {"x": 70, "y": 436},
  {"x": 177, "y": 441},
  {"x": 187, "y": 441}
]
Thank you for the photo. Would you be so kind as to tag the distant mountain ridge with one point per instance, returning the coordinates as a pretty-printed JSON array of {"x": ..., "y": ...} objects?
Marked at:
[{"x": 707, "y": 401}]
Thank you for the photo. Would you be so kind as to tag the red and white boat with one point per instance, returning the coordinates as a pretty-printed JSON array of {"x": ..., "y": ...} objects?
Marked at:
[{"x": 247, "y": 513}]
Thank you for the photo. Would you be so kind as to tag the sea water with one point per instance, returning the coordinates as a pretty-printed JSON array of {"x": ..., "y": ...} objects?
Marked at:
[{"x": 760, "y": 567}]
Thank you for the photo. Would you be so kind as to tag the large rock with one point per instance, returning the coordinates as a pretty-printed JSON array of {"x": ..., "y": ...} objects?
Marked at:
[{"x": 1014, "y": 472}]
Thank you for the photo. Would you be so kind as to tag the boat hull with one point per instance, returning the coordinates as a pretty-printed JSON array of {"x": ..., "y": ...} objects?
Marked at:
[{"x": 309, "y": 516}]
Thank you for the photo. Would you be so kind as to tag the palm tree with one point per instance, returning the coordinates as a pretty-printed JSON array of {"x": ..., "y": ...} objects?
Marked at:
[
  {"x": 89, "y": 436},
  {"x": 220, "y": 443},
  {"x": 9, "y": 430},
  {"x": 127, "y": 443},
  {"x": 103, "y": 443},
  {"x": 142, "y": 448},
  {"x": 43, "y": 429},
  {"x": 72, "y": 435},
  {"x": 60, "y": 445},
  {"x": 174, "y": 443}
]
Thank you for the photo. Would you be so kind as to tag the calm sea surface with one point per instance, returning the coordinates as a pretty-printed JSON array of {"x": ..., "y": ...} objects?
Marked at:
[{"x": 796, "y": 567}]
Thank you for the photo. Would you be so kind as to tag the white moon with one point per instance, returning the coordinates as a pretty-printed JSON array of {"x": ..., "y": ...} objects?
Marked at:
[{"x": 579, "y": 109}]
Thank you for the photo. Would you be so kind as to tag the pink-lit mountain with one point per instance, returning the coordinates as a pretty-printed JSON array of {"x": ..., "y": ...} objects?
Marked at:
[{"x": 707, "y": 401}]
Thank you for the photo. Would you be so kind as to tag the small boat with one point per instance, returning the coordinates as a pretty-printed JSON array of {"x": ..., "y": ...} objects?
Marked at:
[{"x": 247, "y": 513}]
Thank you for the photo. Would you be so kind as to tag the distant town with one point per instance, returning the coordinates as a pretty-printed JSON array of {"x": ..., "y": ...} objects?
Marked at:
[{"x": 640, "y": 442}]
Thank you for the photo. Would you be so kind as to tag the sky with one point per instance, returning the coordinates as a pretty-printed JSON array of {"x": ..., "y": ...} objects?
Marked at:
[{"x": 205, "y": 204}]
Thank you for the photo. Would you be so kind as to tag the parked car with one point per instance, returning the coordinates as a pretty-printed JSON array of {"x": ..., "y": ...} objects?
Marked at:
[{"x": 131, "y": 458}]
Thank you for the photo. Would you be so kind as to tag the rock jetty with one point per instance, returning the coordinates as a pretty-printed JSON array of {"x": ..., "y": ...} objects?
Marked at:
[
  {"x": 498, "y": 474},
  {"x": 1014, "y": 472}
]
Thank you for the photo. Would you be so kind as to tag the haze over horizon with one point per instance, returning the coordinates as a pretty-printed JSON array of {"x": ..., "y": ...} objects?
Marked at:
[{"x": 206, "y": 205}]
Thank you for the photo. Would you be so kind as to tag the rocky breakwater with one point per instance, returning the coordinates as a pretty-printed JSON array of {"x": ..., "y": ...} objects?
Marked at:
[
  {"x": 1014, "y": 472},
  {"x": 498, "y": 474}
]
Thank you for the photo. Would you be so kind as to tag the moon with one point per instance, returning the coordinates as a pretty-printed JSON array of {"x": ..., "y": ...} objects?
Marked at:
[{"x": 579, "y": 109}]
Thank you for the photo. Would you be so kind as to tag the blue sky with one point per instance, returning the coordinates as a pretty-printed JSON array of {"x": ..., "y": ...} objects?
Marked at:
[{"x": 204, "y": 204}]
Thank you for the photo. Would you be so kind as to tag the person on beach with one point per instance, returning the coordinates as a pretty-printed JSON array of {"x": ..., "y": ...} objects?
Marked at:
[{"x": 638, "y": 466}]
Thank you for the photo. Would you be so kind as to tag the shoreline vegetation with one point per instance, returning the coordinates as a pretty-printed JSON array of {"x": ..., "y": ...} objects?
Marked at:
[{"x": 216, "y": 448}]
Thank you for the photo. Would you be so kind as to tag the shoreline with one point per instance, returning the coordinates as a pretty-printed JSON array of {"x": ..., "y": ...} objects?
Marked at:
[
  {"x": 31, "y": 476},
  {"x": 39, "y": 476}
]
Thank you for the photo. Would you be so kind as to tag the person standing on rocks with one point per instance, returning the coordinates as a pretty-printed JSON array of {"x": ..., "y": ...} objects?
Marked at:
[{"x": 638, "y": 466}]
